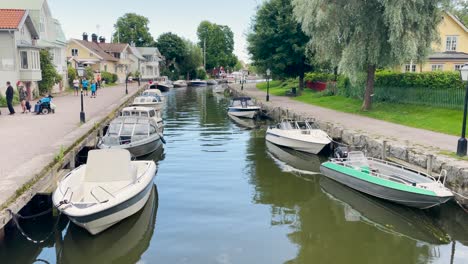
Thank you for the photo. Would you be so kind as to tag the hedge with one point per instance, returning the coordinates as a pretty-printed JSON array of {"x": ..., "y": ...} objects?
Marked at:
[
  {"x": 431, "y": 80},
  {"x": 109, "y": 77},
  {"x": 319, "y": 77}
]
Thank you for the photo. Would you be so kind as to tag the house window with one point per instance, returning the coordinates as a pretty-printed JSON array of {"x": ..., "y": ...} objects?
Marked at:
[
  {"x": 117, "y": 55},
  {"x": 24, "y": 59},
  {"x": 437, "y": 67},
  {"x": 410, "y": 68},
  {"x": 458, "y": 66},
  {"x": 451, "y": 43},
  {"x": 74, "y": 52}
]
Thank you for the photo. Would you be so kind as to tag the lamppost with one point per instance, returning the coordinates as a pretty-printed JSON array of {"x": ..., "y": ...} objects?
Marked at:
[
  {"x": 242, "y": 81},
  {"x": 268, "y": 84},
  {"x": 126, "y": 80},
  {"x": 461, "y": 147},
  {"x": 82, "y": 113}
]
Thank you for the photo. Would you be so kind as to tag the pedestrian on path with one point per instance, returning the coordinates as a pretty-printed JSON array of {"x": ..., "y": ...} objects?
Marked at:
[
  {"x": 9, "y": 98},
  {"x": 76, "y": 85},
  {"x": 84, "y": 83},
  {"x": 93, "y": 89},
  {"x": 22, "y": 96}
]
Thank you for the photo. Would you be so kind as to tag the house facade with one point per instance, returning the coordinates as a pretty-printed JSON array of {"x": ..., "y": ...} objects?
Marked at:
[
  {"x": 149, "y": 69},
  {"x": 19, "y": 52},
  {"x": 450, "y": 53},
  {"x": 51, "y": 36}
]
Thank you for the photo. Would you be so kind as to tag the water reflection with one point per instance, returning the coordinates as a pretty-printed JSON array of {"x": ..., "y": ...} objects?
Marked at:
[{"x": 123, "y": 243}]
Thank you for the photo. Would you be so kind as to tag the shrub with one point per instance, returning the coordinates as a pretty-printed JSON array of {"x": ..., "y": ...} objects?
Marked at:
[
  {"x": 3, "y": 102},
  {"x": 201, "y": 74},
  {"x": 71, "y": 75},
  {"x": 49, "y": 74},
  {"x": 430, "y": 80},
  {"x": 109, "y": 77},
  {"x": 89, "y": 73},
  {"x": 319, "y": 77}
]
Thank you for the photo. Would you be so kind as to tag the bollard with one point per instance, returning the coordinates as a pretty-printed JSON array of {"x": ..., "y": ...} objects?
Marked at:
[
  {"x": 384, "y": 150},
  {"x": 430, "y": 161}
]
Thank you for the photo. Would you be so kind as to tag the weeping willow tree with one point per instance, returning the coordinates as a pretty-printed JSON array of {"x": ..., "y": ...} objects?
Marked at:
[{"x": 360, "y": 36}]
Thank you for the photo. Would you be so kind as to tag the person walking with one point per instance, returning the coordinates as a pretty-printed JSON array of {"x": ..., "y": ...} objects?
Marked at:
[
  {"x": 93, "y": 89},
  {"x": 76, "y": 85},
  {"x": 22, "y": 96},
  {"x": 9, "y": 98},
  {"x": 85, "y": 83}
]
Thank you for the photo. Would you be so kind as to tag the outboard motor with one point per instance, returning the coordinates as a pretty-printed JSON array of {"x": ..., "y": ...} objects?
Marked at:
[{"x": 341, "y": 152}]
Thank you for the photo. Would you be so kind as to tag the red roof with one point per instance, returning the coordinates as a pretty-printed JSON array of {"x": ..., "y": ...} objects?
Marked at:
[{"x": 11, "y": 18}]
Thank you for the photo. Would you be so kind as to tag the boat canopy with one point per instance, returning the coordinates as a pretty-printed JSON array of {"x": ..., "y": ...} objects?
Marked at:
[
  {"x": 136, "y": 111},
  {"x": 146, "y": 99},
  {"x": 242, "y": 101},
  {"x": 132, "y": 126},
  {"x": 289, "y": 124}
]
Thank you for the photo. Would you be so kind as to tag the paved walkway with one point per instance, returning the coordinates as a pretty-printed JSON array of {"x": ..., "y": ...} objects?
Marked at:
[
  {"x": 371, "y": 126},
  {"x": 29, "y": 141}
]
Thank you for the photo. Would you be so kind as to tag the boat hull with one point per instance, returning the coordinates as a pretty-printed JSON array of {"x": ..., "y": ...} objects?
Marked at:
[
  {"x": 243, "y": 112},
  {"x": 300, "y": 145},
  {"x": 198, "y": 84},
  {"x": 100, "y": 221},
  {"x": 411, "y": 199},
  {"x": 137, "y": 150},
  {"x": 162, "y": 88},
  {"x": 156, "y": 106}
]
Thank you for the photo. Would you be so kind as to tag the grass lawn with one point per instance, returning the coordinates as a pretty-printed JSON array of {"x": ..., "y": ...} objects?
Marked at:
[{"x": 442, "y": 120}]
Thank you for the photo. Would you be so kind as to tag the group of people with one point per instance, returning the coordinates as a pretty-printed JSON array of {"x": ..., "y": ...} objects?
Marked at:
[
  {"x": 94, "y": 85},
  {"x": 23, "y": 98}
]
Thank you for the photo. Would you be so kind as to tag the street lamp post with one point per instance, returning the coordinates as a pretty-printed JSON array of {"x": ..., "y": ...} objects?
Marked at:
[
  {"x": 242, "y": 81},
  {"x": 461, "y": 146},
  {"x": 268, "y": 84},
  {"x": 82, "y": 113},
  {"x": 126, "y": 81}
]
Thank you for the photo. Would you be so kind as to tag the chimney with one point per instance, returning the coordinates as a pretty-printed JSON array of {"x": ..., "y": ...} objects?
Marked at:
[
  {"x": 85, "y": 36},
  {"x": 94, "y": 38},
  {"x": 102, "y": 39}
]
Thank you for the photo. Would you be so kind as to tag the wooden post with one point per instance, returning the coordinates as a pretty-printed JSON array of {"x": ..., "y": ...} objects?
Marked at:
[
  {"x": 384, "y": 150},
  {"x": 430, "y": 161}
]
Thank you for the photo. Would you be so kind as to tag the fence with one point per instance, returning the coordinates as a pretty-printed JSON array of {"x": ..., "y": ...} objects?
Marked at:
[{"x": 446, "y": 98}]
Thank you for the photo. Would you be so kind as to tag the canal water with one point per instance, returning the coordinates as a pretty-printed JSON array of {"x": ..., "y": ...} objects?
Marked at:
[{"x": 223, "y": 195}]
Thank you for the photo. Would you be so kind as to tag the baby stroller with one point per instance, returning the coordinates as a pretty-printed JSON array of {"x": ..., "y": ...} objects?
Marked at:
[{"x": 44, "y": 105}]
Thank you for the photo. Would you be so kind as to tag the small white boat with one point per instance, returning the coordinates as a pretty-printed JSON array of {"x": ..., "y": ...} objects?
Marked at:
[
  {"x": 154, "y": 93},
  {"x": 197, "y": 83},
  {"x": 299, "y": 135},
  {"x": 106, "y": 190},
  {"x": 148, "y": 101},
  {"x": 211, "y": 82},
  {"x": 243, "y": 107},
  {"x": 180, "y": 83},
  {"x": 164, "y": 84},
  {"x": 142, "y": 111},
  {"x": 139, "y": 135}
]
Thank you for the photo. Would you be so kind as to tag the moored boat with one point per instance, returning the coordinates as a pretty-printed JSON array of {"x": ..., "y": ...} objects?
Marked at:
[
  {"x": 243, "y": 107},
  {"x": 197, "y": 83},
  {"x": 109, "y": 188},
  {"x": 142, "y": 111},
  {"x": 163, "y": 84},
  {"x": 299, "y": 135},
  {"x": 139, "y": 135},
  {"x": 386, "y": 180},
  {"x": 211, "y": 82},
  {"x": 180, "y": 83}
]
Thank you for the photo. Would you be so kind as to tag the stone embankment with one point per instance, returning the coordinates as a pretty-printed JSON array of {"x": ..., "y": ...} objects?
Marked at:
[{"x": 405, "y": 149}]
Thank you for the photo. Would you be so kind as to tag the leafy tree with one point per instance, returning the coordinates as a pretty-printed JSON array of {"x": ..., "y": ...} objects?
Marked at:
[
  {"x": 458, "y": 8},
  {"x": 89, "y": 73},
  {"x": 192, "y": 61},
  {"x": 219, "y": 43},
  {"x": 277, "y": 41},
  {"x": 133, "y": 28},
  {"x": 360, "y": 36},
  {"x": 71, "y": 75},
  {"x": 50, "y": 76},
  {"x": 172, "y": 47}
]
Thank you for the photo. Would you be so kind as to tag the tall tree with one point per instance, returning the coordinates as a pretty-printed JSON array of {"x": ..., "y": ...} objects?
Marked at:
[
  {"x": 277, "y": 41},
  {"x": 459, "y": 8},
  {"x": 219, "y": 43},
  {"x": 192, "y": 60},
  {"x": 360, "y": 36},
  {"x": 133, "y": 28},
  {"x": 172, "y": 47}
]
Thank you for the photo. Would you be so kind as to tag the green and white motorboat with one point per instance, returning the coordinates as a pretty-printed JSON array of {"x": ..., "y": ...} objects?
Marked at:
[{"x": 386, "y": 180}]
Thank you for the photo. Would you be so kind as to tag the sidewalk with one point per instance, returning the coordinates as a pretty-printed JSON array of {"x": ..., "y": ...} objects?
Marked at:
[
  {"x": 29, "y": 141},
  {"x": 377, "y": 128}
]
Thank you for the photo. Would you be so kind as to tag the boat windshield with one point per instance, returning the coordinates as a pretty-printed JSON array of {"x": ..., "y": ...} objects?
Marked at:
[
  {"x": 114, "y": 129},
  {"x": 127, "y": 130},
  {"x": 141, "y": 130},
  {"x": 243, "y": 103}
]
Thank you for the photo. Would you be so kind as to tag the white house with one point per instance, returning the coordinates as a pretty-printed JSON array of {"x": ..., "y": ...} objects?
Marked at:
[
  {"x": 149, "y": 69},
  {"x": 51, "y": 35},
  {"x": 19, "y": 52}
]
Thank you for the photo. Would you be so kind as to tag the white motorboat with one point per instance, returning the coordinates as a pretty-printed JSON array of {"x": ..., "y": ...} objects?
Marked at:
[
  {"x": 139, "y": 135},
  {"x": 109, "y": 188},
  {"x": 154, "y": 93},
  {"x": 197, "y": 83},
  {"x": 164, "y": 84},
  {"x": 211, "y": 82},
  {"x": 299, "y": 135},
  {"x": 243, "y": 107},
  {"x": 148, "y": 101},
  {"x": 142, "y": 111},
  {"x": 180, "y": 83}
]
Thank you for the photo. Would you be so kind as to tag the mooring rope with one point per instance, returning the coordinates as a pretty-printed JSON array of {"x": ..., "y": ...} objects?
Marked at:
[{"x": 15, "y": 218}]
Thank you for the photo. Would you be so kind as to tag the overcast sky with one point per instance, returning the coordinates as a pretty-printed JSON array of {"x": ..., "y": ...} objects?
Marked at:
[{"x": 181, "y": 17}]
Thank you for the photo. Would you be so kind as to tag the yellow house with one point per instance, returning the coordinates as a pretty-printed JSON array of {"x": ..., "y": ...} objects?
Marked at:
[
  {"x": 99, "y": 55},
  {"x": 450, "y": 53}
]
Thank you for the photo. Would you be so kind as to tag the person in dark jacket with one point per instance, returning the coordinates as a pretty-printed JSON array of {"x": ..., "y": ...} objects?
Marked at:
[{"x": 9, "y": 98}]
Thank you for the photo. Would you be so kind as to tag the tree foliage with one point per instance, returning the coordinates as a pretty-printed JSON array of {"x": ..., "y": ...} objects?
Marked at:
[
  {"x": 50, "y": 76},
  {"x": 277, "y": 41},
  {"x": 219, "y": 42},
  {"x": 360, "y": 36},
  {"x": 133, "y": 28},
  {"x": 458, "y": 8},
  {"x": 192, "y": 60},
  {"x": 172, "y": 47}
]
